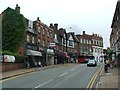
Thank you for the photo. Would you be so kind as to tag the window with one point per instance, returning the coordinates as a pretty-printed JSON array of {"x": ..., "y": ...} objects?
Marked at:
[
  {"x": 64, "y": 40},
  {"x": 70, "y": 43},
  {"x": 43, "y": 42},
  {"x": 81, "y": 40},
  {"x": 89, "y": 42},
  {"x": 84, "y": 40},
  {"x": 38, "y": 40},
  {"x": 43, "y": 30},
  {"x": 51, "y": 35},
  {"x": 33, "y": 40},
  {"x": 38, "y": 29},
  {"x": 30, "y": 24},
  {"x": 28, "y": 38},
  {"x": 48, "y": 33}
]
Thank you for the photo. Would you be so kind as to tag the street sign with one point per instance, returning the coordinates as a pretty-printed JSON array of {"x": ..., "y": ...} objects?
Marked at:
[{"x": 52, "y": 45}]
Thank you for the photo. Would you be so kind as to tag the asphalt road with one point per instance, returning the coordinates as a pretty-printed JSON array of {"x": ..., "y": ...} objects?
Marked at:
[{"x": 66, "y": 76}]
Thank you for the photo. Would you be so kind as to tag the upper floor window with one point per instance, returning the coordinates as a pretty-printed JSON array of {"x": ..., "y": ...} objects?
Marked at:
[
  {"x": 70, "y": 43},
  {"x": 38, "y": 40},
  {"x": 64, "y": 40},
  {"x": 81, "y": 40},
  {"x": 84, "y": 40},
  {"x": 33, "y": 40},
  {"x": 43, "y": 42},
  {"x": 38, "y": 29},
  {"x": 43, "y": 31},
  {"x": 51, "y": 34},
  {"x": 48, "y": 33},
  {"x": 89, "y": 42},
  {"x": 30, "y": 24},
  {"x": 28, "y": 38}
]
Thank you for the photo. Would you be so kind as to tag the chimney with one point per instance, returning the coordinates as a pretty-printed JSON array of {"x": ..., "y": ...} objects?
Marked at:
[
  {"x": 17, "y": 8},
  {"x": 83, "y": 32},
  {"x": 56, "y": 26},
  {"x": 51, "y": 26}
]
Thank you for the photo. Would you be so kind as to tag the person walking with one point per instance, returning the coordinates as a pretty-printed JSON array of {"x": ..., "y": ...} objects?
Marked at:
[{"x": 27, "y": 62}]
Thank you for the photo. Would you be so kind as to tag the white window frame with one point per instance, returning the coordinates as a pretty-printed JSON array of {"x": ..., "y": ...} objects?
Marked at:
[
  {"x": 38, "y": 40},
  {"x": 39, "y": 29},
  {"x": 28, "y": 38},
  {"x": 33, "y": 40}
]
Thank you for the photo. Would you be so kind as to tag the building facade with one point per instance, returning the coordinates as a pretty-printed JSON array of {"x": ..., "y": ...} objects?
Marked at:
[
  {"x": 97, "y": 47},
  {"x": 115, "y": 34},
  {"x": 85, "y": 45}
]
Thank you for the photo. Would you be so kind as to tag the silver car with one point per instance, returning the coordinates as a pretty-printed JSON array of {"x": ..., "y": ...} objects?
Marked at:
[{"x": 92, "y": 62}]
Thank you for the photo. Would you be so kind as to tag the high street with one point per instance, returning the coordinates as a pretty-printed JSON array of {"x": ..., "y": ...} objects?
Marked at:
[{"x": 66, "y": 76}]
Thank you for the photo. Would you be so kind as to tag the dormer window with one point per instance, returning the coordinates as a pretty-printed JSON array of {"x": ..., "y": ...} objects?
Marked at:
[{"x": 30, "y": 24}]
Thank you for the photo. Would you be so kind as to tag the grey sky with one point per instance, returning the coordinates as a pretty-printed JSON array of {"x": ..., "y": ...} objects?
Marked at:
[{"x": 93, "y": 16}]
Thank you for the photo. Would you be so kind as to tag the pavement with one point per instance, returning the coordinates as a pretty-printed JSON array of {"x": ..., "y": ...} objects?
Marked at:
[{"x": 109, "y": 80}]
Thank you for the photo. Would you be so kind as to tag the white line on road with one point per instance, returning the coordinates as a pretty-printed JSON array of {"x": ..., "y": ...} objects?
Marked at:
[
  {"x": 44, "y": 83},
  {"x": 63, "y": 74},
  {"x": 72, "y": 69}
]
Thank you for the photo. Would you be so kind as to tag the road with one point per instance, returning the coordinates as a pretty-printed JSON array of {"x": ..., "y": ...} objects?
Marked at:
[{"x": 66, "y": 76}]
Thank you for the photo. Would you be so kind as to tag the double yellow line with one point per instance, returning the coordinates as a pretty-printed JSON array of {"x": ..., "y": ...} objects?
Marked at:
[{"x": 90, "y": 84}]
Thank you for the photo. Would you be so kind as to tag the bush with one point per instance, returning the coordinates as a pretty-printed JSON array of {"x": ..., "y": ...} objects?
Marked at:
[
  {"x": 7, "y": 53},
  {"x": 19, "y": 58}
]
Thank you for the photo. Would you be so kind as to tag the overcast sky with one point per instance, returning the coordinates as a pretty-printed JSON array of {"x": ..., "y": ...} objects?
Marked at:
[{"x": 92, "y": 16}]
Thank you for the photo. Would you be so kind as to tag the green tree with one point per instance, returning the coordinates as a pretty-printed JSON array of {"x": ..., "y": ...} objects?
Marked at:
[{"x": 13, "y": 30}]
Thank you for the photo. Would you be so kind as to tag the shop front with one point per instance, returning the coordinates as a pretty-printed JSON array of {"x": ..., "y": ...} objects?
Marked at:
[
  {"x": 33, "y": 58},
  {"x": 50, "y": 57}
]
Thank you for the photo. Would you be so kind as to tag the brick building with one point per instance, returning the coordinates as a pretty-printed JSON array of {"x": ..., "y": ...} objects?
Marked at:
[
  {"x": 85, "y": 45},
  {"x": 115, "y": 33},
  {"x": 97, "y": 47},
  {"x": 91, "y": 45}
]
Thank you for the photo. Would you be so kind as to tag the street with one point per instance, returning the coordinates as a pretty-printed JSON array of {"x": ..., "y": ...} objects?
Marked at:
[{"x": 66, "y": 76}]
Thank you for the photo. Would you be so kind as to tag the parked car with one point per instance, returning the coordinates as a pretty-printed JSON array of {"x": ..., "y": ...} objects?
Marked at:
[{"x": 92, "y": 62}]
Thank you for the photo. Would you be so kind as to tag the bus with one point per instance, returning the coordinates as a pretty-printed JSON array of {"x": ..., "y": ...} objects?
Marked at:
[{"x": 84, "y": 59}]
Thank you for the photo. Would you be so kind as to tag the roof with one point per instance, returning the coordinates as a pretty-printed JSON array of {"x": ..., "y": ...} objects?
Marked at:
[
  {"x": 115, "y": 13},
  {"x": 73, "y": 35},
  {"x": 61, "y": 32}
]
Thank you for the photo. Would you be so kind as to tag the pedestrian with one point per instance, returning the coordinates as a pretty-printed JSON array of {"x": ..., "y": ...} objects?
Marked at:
[
  {"x": 107, "y": 62},
  {"x": 27, "y": 62},
  {"x": 39, "y": 64},
  {"x": 106, "y": 68}
]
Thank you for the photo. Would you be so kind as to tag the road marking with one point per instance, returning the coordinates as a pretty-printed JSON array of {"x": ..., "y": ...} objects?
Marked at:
[
  {"x": 43, "y": 83},
  {"x": 72, "y": 69},
  {"x": 32, "y": 72},
  {"x": 11, "y": 78},
  {"x": 63, "y": 74},
  {"x": 90, "y": 84}
]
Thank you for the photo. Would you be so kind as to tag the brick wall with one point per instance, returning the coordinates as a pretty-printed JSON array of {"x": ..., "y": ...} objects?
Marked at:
[{"x": 11, "y": 66}]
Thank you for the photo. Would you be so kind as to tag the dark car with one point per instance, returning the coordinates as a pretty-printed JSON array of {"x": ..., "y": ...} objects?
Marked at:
[{"x": 92, "y": 62}]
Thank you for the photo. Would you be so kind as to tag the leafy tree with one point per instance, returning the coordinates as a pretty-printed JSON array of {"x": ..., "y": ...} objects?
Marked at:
[{"x": 13, "y": 30}]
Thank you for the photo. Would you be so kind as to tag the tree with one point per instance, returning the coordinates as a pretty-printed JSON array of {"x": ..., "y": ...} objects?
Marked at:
[{"x": 13, "y": 30}]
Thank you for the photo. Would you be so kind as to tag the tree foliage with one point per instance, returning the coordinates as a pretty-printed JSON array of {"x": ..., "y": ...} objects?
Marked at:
[{"x": 13, "y": 30}]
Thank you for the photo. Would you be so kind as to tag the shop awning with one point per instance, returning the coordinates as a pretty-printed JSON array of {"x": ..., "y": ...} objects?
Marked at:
[{"x": 34, "y": 53}]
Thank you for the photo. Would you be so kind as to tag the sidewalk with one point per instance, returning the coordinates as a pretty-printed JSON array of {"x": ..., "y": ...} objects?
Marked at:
[
  {"x": 9, "y": 74},
  {"x": 109, "y": 80}
]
